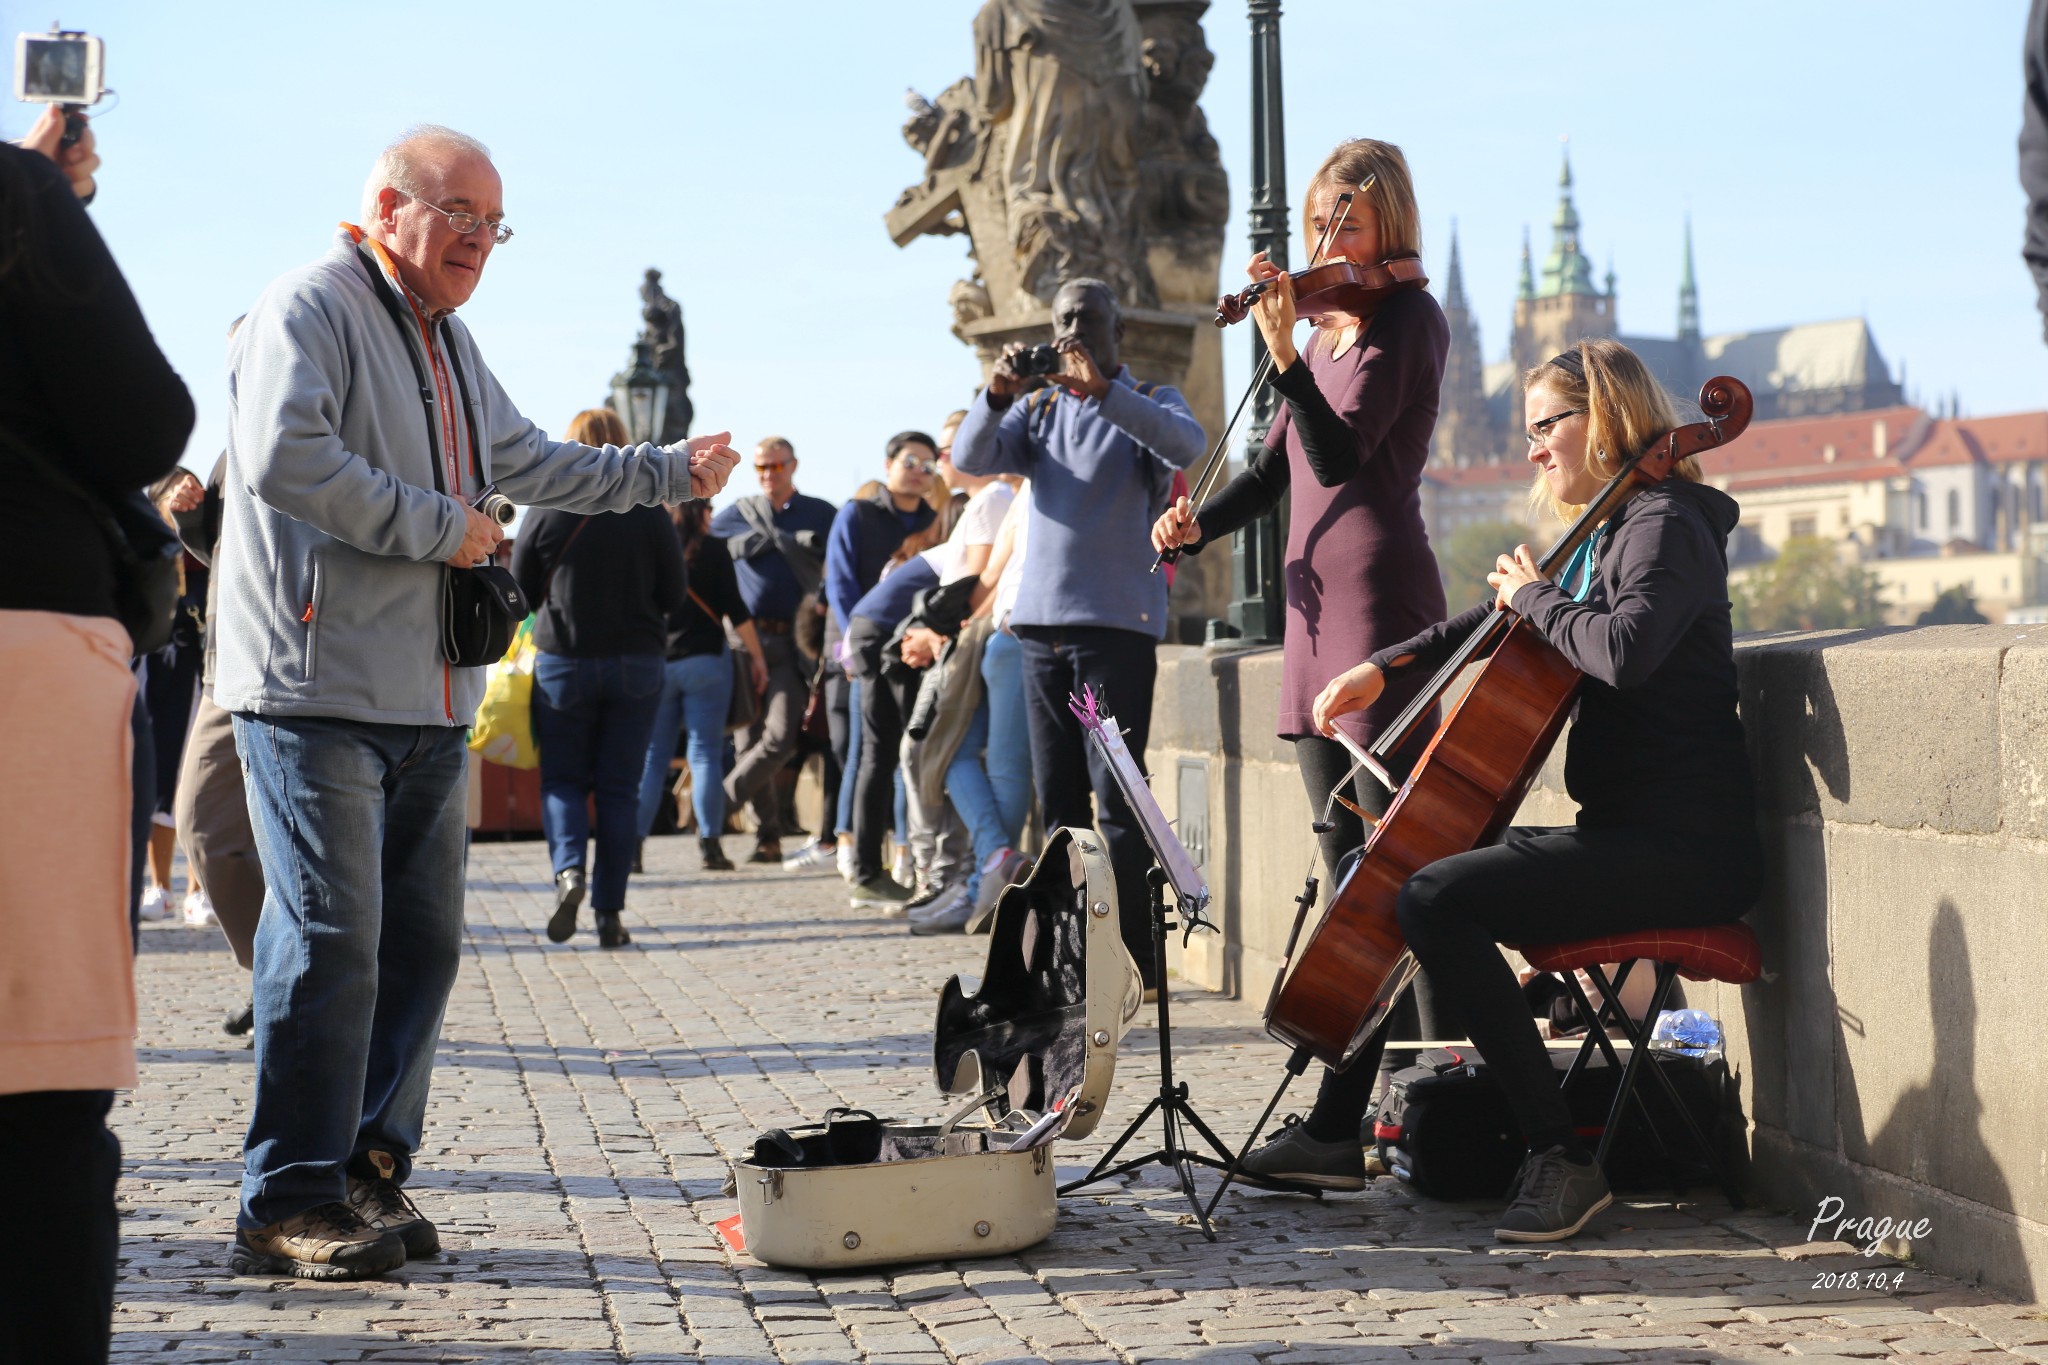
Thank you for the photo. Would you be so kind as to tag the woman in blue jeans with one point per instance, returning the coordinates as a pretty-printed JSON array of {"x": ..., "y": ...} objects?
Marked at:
[
  {"x": 696, "y": 692},
  {"x": 602, "y": 589}
]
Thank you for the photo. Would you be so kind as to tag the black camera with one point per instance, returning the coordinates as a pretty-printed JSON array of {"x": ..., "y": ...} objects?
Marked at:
[{"x": 1037, "y": 360}]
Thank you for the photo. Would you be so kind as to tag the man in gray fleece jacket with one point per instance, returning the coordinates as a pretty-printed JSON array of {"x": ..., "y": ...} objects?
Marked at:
[{"x": 362, "y": 425}]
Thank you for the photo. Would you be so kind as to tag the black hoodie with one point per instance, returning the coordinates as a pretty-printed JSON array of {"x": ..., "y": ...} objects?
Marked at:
[{"x": 1656, "y": 739}]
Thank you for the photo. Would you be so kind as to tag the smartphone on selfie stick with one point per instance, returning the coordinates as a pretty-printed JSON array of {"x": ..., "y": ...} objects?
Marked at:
[{"x": 64, "y": 68}]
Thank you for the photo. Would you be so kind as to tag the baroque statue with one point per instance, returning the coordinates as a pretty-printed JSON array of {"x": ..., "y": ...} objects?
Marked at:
[{"x": 662, "y": 319}]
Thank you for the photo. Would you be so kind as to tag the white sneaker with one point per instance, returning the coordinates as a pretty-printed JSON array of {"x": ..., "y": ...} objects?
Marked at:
[
  {"x": 810, "y": 857},
  {"x": 903, "y": 870},
  {"x": 844, "y": 858},
  {"x": 154, "y": 904},
  {"x": 198, "y": 908}
]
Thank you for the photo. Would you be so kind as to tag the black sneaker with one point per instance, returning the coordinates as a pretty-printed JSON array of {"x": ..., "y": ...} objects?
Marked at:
[
  {"x": 1292, "y": 1160},
  {"x": 926, "y": 894},
  {"x": 1552, "y": 1198},
  {"x": 326, "y": 1243},
  {"x": 568, "y": 897},
  {"x": 611, "y": 933},
  {"x": 240, "y": 1020},
  {"x": 384, "y": 1206}
]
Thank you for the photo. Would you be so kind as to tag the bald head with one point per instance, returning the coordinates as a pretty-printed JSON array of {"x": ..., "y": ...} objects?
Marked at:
[{"x": 418, "y": 181}]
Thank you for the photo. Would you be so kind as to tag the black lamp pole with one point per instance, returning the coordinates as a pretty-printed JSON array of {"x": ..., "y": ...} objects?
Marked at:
[{"x": 1258, "y": 609}]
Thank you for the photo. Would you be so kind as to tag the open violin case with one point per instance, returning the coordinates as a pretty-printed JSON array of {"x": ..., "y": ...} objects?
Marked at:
[{"x": 1029, "y": 1050}]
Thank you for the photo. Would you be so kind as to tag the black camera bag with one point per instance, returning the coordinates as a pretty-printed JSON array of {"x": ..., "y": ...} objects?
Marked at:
[{"x": 1445, "y": 1127}]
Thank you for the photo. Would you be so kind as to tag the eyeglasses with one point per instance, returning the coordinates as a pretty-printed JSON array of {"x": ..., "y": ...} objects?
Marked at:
[
  {"x": 770, "y": 468},
  {"x": 1540, "y": 431},
  {"x": 465, "y": 223}
]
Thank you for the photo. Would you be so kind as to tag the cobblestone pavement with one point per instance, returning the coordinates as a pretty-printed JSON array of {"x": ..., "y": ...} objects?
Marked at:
[{"x": 585, "y": 1104}]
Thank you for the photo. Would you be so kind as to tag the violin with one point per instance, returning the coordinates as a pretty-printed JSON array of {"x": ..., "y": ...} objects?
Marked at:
[
  {"x": 1338, "y": 286},
  {"x": 1327, "y": 1002}
]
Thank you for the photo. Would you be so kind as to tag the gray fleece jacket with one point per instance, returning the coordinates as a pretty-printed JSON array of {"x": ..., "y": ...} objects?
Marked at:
[{"x": 333, "y": 534}]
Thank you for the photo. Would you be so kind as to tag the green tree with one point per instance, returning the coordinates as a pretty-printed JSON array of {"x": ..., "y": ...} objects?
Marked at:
[
  {"x": 1807, "y": 587},
  {"x": 1956, "y": 606},
  {"x": 1468, "y": 557}
]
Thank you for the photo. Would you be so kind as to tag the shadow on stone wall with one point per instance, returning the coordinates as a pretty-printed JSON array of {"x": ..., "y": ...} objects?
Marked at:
[{"x": 1935, "y": 1130}]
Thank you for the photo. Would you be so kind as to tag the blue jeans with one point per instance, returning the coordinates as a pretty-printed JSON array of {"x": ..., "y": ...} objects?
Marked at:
[
  {"x": 361, "y": 834},
  {"x": 990, "y": 777},
  {"x": 591, "y": 719},
  {"x": 849, "y": 770},
  {"x": 696, "y": 693}
]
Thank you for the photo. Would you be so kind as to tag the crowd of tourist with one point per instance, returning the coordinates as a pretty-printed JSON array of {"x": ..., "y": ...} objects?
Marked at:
[{"x": 277, "y": 669}]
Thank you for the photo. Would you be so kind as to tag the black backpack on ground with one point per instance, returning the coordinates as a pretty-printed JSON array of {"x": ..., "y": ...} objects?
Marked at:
[{"x": 1444, "y": 1126}]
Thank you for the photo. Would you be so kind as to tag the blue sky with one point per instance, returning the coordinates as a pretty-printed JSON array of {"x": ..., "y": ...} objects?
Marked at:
[{"x": 1836, "y": 158}]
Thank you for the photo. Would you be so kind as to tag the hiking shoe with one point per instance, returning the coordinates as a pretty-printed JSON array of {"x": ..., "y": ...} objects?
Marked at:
[
  {"x": 713, "y": 855},
  {"x": 611, "y": 931},
  {"x": 325, "y": 1243},
  {"x": 1552, "y": 1198},
  {"x": 383, "y": 1205},
  {"x": 811, "y": 857},
  {"x": 946, "y": 915},
  {"x": 881, "y": 892},
  {"x": 568, "y": 897},
  {"x": 1292, "y": 1160}
]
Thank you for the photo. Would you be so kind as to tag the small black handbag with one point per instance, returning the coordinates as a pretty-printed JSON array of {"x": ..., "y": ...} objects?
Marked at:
[
  {"x": 145, "y": 551},
  {"x": 481, "y": 608}
]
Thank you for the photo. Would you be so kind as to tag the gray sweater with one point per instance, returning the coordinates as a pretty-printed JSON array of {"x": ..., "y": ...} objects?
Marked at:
[
  {"x": 1100, "y": 473},
  {"x": 333, "y": 533}
]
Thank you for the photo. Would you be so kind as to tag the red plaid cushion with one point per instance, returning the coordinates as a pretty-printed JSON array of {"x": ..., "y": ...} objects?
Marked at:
[{"x": 1725, "y": 952}]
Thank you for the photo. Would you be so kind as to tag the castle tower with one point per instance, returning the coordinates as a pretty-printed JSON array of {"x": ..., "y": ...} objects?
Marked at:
[
  {"x": 1464, "y": 432},
  {"x": 1688, "y": 297},
  {"x": 1567, "y": 307}
]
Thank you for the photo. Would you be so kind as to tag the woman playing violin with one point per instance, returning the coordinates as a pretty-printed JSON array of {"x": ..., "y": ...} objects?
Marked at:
[
  {"x": 1666, "y": 834},
  {"x": 1350, "y": 443}
]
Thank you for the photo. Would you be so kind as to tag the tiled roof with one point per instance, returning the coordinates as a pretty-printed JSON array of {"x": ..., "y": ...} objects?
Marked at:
[
  {"x": 1831, "y": 445},
  {"x": 1971, "y": 440}
]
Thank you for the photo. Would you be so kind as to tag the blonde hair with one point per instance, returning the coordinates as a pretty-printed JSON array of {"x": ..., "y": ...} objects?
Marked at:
[
  {"x": 1626, "y": 409},
  {"x": 597, "y": 427},
  {"x": 1391, "y": 198}
]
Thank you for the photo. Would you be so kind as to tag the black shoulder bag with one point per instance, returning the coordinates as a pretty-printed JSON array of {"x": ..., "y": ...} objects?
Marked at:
[
  {"x": 481, "y": 607},
  {"x": 144, "y": 546}
]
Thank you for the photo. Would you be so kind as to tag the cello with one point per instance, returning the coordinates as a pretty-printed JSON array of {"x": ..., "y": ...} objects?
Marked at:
[{"x": 1328, "y": 1002}]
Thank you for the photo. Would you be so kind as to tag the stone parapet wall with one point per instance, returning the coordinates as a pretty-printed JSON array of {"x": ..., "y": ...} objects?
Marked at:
[{"x": 1896, "y": 1057}]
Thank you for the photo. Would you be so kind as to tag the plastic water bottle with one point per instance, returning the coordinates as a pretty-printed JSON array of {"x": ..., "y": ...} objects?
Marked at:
[{"x": 1688, "y": 1033}]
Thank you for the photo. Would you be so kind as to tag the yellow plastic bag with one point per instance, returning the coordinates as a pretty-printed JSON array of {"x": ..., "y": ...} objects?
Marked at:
[{"x": 503, "y": 729}]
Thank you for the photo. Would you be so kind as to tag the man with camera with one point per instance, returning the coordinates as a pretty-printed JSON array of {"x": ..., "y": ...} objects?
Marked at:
[
  {"x": 777, "y": 542},
  {"x": 363, "y": 426},
  {"x": 1100, "y": 450}
]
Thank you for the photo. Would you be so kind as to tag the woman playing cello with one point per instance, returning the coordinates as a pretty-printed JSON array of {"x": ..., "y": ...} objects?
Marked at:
[
  {"x": 1666, "y": 834},
  {"x": 1350, "y": 443}
]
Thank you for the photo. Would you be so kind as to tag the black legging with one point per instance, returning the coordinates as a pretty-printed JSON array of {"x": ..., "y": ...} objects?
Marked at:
[
  {"x": 1546, "y": 886},
  {"x": 1414, "y": 1015}
]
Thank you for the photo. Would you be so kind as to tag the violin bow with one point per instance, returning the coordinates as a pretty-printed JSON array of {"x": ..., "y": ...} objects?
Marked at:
[{"x": 1216, "y": 461}]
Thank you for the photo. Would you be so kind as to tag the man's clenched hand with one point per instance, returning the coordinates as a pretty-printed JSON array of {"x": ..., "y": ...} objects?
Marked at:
[
  {"x": 712, "y": 461},
  {"x": 480, "y": 536}
]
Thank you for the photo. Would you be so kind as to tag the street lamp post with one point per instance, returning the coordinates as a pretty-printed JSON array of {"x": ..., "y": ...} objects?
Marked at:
[
  {"x": 640, "y": 394},
  {"x": 1258, "y": 608}
]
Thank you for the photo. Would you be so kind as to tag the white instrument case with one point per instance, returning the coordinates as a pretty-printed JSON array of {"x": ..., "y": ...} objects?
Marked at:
[{"x": 1032, "y": 1045}]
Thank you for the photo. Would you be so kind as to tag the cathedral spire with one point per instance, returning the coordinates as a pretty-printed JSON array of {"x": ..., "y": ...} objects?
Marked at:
[
  {"x": 1566, "y": 270},
  {"x": 1454, "y": 285},
  {"x": 1688, "y": 296},
  {"x": 1525, "y": 287}
]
